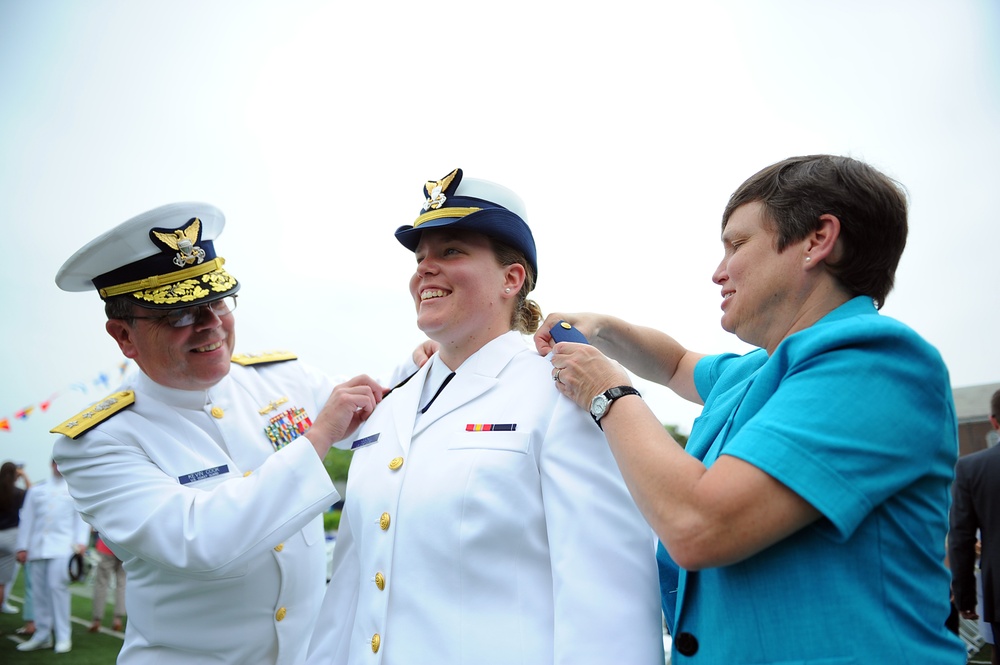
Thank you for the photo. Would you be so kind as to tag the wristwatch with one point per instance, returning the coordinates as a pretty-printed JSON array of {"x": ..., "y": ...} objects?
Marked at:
[{"x": 600, "y": 404}]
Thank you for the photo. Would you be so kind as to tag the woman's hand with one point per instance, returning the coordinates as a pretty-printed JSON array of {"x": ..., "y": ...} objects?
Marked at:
[
  {"x": 586, "y": 323},
  {"x": 581, "y": 372}
]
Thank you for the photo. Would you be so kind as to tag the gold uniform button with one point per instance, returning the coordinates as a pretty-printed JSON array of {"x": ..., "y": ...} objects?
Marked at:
[
  {"x": 396, "y": 463},
  {"x": 247, "y": 474},
  {"x": 280, "y": 614},
  {"x": 383, "y": 521},
  {"x": 376, "y": 642},
  {"x": 279, "y": 547},
  {"x": 380, "y": 581},
  {"x": 217, "y": 412}
]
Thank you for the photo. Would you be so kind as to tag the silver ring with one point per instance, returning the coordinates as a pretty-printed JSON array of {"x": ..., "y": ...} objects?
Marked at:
[{"x": 555, "y": 377}]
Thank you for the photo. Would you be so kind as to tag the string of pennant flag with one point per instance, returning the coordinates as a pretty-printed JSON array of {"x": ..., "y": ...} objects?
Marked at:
[{"x": 102, "y": 381}]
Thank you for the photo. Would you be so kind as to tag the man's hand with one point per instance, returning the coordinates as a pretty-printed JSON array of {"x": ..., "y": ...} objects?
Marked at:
[
  {"x": 423, "y": 353},
  {"x": 349, "y": 405}
]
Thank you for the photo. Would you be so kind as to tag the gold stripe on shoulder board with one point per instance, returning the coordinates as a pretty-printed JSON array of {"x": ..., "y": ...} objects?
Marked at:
[
  {"x": 247, "y": 359},
  {"x": 95, "y": 414}
]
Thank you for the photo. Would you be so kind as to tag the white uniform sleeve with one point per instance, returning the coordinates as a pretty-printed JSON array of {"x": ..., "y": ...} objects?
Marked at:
[
  {"x": 193, "y": 531},
  {"x": 26, "y": 521},
  {"x": 607, "y": 604}
]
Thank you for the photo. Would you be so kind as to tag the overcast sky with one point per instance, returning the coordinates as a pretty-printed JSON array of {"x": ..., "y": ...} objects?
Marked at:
[{"x": 624, "y": 126}]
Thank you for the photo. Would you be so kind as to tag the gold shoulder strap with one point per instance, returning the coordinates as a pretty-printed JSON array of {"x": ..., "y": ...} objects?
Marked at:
[
  {"x": 95, "y": 414},
  {"x": 264, "y": 358}
]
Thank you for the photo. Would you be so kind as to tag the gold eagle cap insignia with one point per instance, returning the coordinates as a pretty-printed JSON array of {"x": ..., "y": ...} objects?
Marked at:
[
  {"x": 435, "y": 190},
  {"x": 183, "y": 241},
  {"x": 190, "y": 233}
]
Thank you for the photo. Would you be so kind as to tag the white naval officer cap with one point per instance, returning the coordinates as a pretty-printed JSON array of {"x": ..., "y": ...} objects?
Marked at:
[
  {"x": 164, "y": 258},
  {"x": 477, "y": 205}
]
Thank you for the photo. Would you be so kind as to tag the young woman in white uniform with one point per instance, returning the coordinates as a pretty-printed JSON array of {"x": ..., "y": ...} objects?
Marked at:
[{"x": 485, "y": 519}]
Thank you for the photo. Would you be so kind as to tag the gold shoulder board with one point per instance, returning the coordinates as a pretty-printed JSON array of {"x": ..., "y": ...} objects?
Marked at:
[
  {"x": 264, "y": 358},
  {"x": 95, "y": 414}
]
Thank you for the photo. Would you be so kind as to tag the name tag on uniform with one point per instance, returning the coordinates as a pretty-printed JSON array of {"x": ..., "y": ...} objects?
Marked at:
[
  {"x": 204, "y": 474},
  {"x": 367, "y": 441}
]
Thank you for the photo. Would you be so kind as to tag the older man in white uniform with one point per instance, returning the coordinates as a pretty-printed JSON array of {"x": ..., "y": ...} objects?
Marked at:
[{"x": 204, "y": 474}]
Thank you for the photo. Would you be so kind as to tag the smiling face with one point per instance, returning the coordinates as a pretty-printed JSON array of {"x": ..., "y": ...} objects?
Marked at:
[
  {"x": 194, "y": 357},
  {"x": 762, "y": 288},
  {"x": 460, "y": 292}
]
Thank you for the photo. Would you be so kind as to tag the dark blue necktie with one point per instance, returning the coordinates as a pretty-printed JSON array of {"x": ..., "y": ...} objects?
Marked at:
[{"x": 443, "y": 384}]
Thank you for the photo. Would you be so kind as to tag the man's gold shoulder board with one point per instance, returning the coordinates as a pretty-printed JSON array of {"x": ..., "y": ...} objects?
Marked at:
[
  {"x": 264, "y": 358},
  {"x": 95, "y": 414}
]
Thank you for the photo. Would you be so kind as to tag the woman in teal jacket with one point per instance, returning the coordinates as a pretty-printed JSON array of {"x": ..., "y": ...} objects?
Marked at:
[{"x": 807, "y": 517}]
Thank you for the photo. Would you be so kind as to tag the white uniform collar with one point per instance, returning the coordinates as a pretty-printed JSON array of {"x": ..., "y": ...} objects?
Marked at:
[
  {"x": 494, "y": 355},
  {"x": 436, "y": 375},
  {"x": 184, "y": 399}
]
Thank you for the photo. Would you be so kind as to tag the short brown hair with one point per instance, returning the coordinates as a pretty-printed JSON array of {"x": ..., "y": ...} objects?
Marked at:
[
  {"x": 119, "y": 307},
  {"x": 871, "y": 208}
]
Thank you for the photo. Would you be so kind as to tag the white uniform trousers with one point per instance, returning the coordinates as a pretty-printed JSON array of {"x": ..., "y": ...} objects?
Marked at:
[{"x": 50, "y": 595}]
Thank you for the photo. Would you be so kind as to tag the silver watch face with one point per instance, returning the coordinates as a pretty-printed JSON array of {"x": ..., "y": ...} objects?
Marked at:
[{"x": 598, "y": 406}]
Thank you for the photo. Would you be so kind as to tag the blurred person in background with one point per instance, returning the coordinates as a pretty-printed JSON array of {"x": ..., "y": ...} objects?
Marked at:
[
  {"x": 975, "y": 533},
  {"x": 108, "y": 567},
  {"x": 50, "y": 533},
  {"x": 11, "y": 500}
]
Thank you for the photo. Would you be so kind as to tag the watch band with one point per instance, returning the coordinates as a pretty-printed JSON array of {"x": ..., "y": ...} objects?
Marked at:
[{"x": 610, "y": 396}]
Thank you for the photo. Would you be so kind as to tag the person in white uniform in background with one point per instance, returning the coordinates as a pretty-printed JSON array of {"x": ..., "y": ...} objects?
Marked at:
[
  {"x": 205, "y": 473},
  {"x": 485, "y": 519},
  {"x": 50, "y": 533}
]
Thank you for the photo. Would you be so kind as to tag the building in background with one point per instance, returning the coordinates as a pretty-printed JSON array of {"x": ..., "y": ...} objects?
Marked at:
[{"x": 972, "y": 408}]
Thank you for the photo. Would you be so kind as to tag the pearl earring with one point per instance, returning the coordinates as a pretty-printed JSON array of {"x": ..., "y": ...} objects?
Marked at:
[
  {"x": 809, "y": 258},
  {"x": 507, "y": 290}
]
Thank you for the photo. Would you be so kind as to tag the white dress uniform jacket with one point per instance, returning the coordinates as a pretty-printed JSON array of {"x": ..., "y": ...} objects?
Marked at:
[
  {"x": 221, "y": 536},
  {"x": 462, "y": 544},
  {"x": 50, "y": 527}
]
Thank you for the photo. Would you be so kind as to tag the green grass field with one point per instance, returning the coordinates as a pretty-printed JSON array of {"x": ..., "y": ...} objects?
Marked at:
[
  {"x": 102, "y": 648},
  {"x": 88, "y": 648},
  {"x": 983, "y": 656}
]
